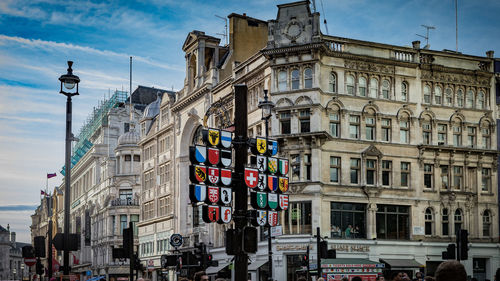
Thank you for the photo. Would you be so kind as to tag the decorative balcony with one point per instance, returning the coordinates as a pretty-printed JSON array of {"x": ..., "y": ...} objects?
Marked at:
[{"x": 118, "y": 202}]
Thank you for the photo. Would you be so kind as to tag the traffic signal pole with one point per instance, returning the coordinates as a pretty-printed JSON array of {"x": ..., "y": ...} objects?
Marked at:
[
  {"x": 240, "y": 190},
  {"x": 318, "y": 241}
]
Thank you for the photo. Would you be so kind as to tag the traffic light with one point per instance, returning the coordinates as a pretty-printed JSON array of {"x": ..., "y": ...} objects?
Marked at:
[
  {"x": 449, "y": 254},
  {"x": 250, "y": 239},
  {"x": 28, "y": 251},
  {"x": 198, "y": 251},
  {"x": 128, "y": 241},
  {"x": 39, "y": 267},
  {"x": 305, "y": 260},
  {"x": 462, "y": 245},
  {"x": 137, "y": 265},
  {"x": 331, "y": 254},
  {"x": 169, "y": 260},
  {"x": 39, "y": 246},
  {"x": 211, "y": 261},
  {"x": 323, "y": 249}
]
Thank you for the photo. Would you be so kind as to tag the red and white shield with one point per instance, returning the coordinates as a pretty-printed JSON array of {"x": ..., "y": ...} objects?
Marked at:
[
  {"x": 213, "y": 194},
  {"x": 251, "y": 177},
  {"x": 211, "y": 213},
  {"x": 213, "y": 156},
  {"x": 225, "y": 214},
  {"x": 283, "y": 201},
  {"x": 272, "y": 218},
  {"x": 225, "y": 176},
  {"x": 213, "y": 175}
]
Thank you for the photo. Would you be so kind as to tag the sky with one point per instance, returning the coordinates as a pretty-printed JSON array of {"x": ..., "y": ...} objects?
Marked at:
[{"x": 37, "y": 37}]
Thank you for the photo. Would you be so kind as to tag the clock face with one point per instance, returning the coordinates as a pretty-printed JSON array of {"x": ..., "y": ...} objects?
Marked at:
[{"x": 294, "y": 30}]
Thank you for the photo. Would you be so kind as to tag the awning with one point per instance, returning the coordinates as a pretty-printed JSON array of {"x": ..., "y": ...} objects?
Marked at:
[
  {"x": 97, "y": 278},
  {"x": 395, "y": 264},
  {"x": 214, "y": 270},
  {"x": 119, "y": 270},
  {"x": 256, "y": 264}
]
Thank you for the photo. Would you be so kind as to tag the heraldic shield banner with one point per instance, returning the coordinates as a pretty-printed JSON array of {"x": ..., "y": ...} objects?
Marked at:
[{"x": 211, "y": 175}]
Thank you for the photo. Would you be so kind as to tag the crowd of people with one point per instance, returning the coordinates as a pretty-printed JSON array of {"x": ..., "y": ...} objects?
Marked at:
[{"x": 349, "y": 232}]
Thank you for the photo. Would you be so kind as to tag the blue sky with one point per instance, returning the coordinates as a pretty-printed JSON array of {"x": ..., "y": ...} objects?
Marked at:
[{"x": 37, "y": 37}]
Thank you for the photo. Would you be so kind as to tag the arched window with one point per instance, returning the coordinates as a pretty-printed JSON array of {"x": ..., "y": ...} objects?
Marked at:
[
  {"x": 486, "y": 223},
  {"x": 460, "y": 98},
  {"x": 295, "y": 79},
  {"x": 480, "y": 100},
  {"x": 429, "y": 221},
  {"x": 445, "y": 223},
  {"x": 332, "y": 85},
  {"x": 385, "y": 89},
  {"x": 308, "y": 78},
  {"x": 404, "y": 91},
  {"x": 373, "y": 87},
  {"x": 448, "y": 99},
  {"x": 282, "y": 80},
  {"x": 438, "y": 95},
  {"x": 469, "y": 102},
  {"x": 370, "y": 125},
  {"x": 350, "y": 84},
  {"x": 427, "y": 94},
  {"x": 198, "y": 136},
  {"x": 458, "y": 220},
  {"x": 404, "y": 129},
  {"x": 362, "y": 86}
]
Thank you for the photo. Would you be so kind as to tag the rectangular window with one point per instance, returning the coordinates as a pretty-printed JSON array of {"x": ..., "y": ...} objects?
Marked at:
[
  {"x": 386, "y": 172},
  {"x": 285, "y": 122},
  {"x": 405, "y": 174},
  {"x": 282, "y": 75},
  {"x": 334, "y": 169},
  {"x": 457, "y": 135},
  {"x": 164, "y": 171},
  {"x": 334, "y": 125},
  {"x": 295, "y": 79},
  {"x": 297, "y": 218},
  {"x": 428, "y": 174},
  {"x": 355, "y": 170},
  {"x": 457, "y": 177},
  {"x": 393, "y": 222},
  {"x": 134, "y": 219},
  {"x": 486, "y": 140},
  {"x": 427, "y": 133},
  {"x": 442, "y": 132},
  {"x": 370, "y": 128},
  {"x": 354, "y": 127},
  {"x": 307, "y": 166},
  {"x": 404, "y": 131},
  {"x": 485, "y": 179},
  {"x": 123, "y": 223},
  {"x": 386, "y": 129},
  {"x": 305, "y": 121},
  {"x": 445, "y": 223},
  {"x": 348, "y": 220},
  {"x": 471, "y": 136},
  {"x": 445, "y": 177},
  {"x": 371, "y": 171},
  {"x": 295, "y": 159}
]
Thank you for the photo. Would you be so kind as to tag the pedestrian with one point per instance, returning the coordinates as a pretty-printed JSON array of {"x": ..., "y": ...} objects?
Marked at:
[
  {"x": 451, "y": 271},
  {"x": 200, "y": 276},
  {"x": 397, "y": 276}
]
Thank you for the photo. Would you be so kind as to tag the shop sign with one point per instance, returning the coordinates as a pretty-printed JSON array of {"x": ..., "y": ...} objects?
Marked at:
[
  {"x": 301, "y": 247},
  {"x": 418, "y": 230},
  {"x": 351, "y": 248}
]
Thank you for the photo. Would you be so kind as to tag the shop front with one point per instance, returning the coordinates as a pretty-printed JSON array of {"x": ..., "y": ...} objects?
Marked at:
[{"x": 337, "y": 269}]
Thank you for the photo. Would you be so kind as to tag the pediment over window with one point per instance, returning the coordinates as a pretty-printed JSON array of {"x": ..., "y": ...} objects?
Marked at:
[{"x": 372, "y": 151}]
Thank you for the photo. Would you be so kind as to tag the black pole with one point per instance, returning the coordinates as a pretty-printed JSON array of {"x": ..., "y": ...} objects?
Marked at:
[
  {"x": 131, "y": 250},
  {"x": 269, "y": 238},
  {"x": 50, "y": 247},
  {"x": 67, "y": 183},
  {"x": 241, "y": 193},
  {"x": 308, "y": 263},
  {"x": 318, "y": 241}
]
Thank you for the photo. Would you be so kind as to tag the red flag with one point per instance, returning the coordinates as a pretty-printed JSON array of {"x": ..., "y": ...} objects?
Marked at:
[
  {"x": 42, "y": 192},
  {"x": 51, "y": 175},
  {"x": 75, "y": 260}
]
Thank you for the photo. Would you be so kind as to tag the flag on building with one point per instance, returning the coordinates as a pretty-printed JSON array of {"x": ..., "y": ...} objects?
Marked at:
[{"x": 51, "y": 175}]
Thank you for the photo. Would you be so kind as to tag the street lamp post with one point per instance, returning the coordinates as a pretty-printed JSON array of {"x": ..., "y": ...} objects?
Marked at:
[
  {"x": 68, "y": 82},
  {"x": 267, "y": 106}
]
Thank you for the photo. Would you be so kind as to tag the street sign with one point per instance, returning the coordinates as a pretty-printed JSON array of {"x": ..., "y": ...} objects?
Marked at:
[
  {"x": 176, "y": 240},
  {"x": 30, "y": 261}
]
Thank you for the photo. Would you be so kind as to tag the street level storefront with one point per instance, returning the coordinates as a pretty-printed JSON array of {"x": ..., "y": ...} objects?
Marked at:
[
  {"x": 336, "y": 269},
  {"x": 407, "y": 256}
]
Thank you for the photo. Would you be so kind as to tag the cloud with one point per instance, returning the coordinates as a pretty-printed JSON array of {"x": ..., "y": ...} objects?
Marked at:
[
  {"x": 18, "y": 207},
  {"x": 38, "y": 43}
]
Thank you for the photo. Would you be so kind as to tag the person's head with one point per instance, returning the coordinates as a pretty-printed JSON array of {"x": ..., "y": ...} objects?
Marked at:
[
  {"x": 397, "y": 276},
  {"x": 356, "y": 278},
  {"x": 419, "y": 275},
  {"x": 451, "y": 271},
  {"x": 200, "y": 276}
]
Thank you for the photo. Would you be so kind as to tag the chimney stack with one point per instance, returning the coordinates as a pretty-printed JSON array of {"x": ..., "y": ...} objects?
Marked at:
[
  {"x": 490, "y": 54},
  {"x": 13, "y": 237},
  {"x": 416, "y": 45}
]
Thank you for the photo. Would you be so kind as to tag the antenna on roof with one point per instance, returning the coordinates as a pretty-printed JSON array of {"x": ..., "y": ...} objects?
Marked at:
[
  {"x": 324, "y": 16},
  {"x": 427, "y": 36},
  {"x": 130, "y": 92},
  {"x": 314, "y": 6},
  {"x": 225, "y": 28},
  {"x": 456, "y": 25}
]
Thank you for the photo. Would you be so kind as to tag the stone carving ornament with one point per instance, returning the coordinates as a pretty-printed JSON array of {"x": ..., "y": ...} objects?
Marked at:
[{"x": 293, "y": 30}]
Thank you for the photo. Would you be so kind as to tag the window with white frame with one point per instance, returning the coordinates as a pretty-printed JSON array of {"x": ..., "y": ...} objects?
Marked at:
[
  {"x": 427, "y": 132},
  {"x": 371, "y": 171},
  {"x": 308, "y": 78},
  {"x": 485, "y": 179},
  {"x": 404, "y": 91},
  {"x": 386, "y": 86},
  {"x": 295, "y": 79},
  {"x": 355, "y": 168},
  {"x": 350, "y": 84},
  {"x": 354, "y": 126},
  {"x": 335, "y": 124},
  {"x": 480, "y": 100},
  {"x": 334, "y": 169},
  {"x": 386, "y": 129},
  {"x": 442, "y": 133},
  {"x": 457, "y": 134},
  {"x": 460, "y": 98},
  {"x": 428, "y": 175},
  {"x": 429, "y": 221},
  {"x": 362, "y": 86},
  {"x": 427, "y": 94},
  {"x": 404, "y": 131},
  {"x": 282, "y": 75},
  {"x": 373, "y": 88},
  {"x": 486, "y": 136},
  {"x": 386, "y": 172},
  {"x": 405, "y": 174},
  {"x": 332, "y": 83}
]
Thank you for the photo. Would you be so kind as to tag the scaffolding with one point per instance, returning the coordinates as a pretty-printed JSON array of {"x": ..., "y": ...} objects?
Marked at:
[{"x": 94, "y": 121}]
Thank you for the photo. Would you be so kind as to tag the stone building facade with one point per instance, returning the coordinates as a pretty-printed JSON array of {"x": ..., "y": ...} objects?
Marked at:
[{"x": 12, "y": 266}]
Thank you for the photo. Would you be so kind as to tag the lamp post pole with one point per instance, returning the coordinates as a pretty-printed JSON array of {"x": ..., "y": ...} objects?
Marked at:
[{"x": 68, "y": 81}]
